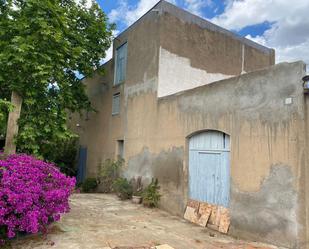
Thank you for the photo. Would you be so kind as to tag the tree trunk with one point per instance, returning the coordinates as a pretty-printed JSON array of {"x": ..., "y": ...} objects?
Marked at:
[{"x": 12, "y": 126}]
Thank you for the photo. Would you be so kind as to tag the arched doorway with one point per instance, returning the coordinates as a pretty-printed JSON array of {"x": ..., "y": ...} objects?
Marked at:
[{"x": 209, "y": 167}]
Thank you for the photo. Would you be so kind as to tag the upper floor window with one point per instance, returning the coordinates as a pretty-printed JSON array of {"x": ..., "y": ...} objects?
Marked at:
[
  {"x": 116, "y": 104},
  {"x": 121, "y": 64}
]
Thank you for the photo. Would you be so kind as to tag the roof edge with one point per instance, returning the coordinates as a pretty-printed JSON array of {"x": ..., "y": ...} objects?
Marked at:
[
  {"x": 202, "y": 22},
  {"x": 139, "y": 19},
  {"x": 206, "y": 24}
]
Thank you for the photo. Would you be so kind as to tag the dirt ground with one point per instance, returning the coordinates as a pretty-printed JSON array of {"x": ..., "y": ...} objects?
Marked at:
[{"x": 97, "y": 221}]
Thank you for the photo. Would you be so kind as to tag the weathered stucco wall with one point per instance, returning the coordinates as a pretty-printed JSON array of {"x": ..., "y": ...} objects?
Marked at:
[
  {"x": 267, "y": 147},
  {"x": 268, "y": 158},
  {"x": 176, "y": 74},
  {"x": 196, "y": 52},
  {"x": 148, "y": 63},
  {"x": 100, "y": 130}
]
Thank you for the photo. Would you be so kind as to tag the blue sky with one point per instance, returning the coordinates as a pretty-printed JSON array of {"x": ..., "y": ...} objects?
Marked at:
[
  {"x": 209, "y": 11},
  {"x": 273, "y": 23}
]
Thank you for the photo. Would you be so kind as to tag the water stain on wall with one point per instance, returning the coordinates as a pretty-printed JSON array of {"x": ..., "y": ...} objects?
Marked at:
[
  {"x": 269, "y": 213},
  {"x": 167, "y": 166}
]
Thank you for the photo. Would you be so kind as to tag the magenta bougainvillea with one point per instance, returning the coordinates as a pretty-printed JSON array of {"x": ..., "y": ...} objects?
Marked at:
[{"x": 33, "y": 194}]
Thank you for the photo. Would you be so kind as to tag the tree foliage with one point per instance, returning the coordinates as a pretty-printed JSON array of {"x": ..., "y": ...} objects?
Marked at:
[
  {"x": 5, "y": 107},
  {"x": 43, "y": 44}
]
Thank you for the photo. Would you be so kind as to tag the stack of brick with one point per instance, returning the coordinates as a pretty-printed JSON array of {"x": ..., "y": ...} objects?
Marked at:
[{"x": 204, "y": 214}]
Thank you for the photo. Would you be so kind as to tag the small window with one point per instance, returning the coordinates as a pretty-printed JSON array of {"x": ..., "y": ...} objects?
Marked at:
[
  {"x": 121, "y": 64},
  {"x": 116, "y": 104},
  {"x": 120, "y": 149}
]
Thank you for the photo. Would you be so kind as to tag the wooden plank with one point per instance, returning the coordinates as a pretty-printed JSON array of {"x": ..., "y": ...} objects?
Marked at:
[
  {"x": 191, "y": 215},
  {"x": 205, "y": 208},
  {"x": 213, "y": 215},
  {"x": 165, "y": 246},
  {"x": 225, "y": 220},
  {"x": 218, "y": 216},
  {"x": 204, "y": 211},
  {"x": 194, "y": 204},
  {"x": 202, "y": 221}
]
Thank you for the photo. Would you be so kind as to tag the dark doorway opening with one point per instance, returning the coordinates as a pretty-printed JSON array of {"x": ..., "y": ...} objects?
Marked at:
[{"x": 2, "y": 144}]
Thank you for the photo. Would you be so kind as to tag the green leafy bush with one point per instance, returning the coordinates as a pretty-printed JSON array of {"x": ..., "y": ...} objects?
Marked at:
[
  {"x": 108, "y": 172},
  {"x": 5, "y": 108},
  {"x": 123, "y": 188},
  {"x": 151, "y": 195},
  {"x": 89, "y": 185},
  {"x": 137, "y": 186},
  {"x": 64, "y": 156}
]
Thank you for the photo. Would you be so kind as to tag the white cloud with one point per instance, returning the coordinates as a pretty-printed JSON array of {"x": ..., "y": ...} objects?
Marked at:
[
  {"x": 128, "y": 14},
  {"x": 196, "y": 6},
  {"x": 118, "y": 13},
  {"x": 142, "y": 7},
  {"x": 109, "y": 55},
  {"x": 289, "y": 33},
  {"x": 259, "y": 39}
]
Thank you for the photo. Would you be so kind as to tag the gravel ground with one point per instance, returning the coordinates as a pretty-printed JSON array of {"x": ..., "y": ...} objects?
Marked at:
[{"x": 97, "y": 221}]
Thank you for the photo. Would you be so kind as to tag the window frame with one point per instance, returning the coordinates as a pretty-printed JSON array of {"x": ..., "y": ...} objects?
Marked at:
[
  {"x": 116, "y": 75},
  {"x": 116, "y": 112}
]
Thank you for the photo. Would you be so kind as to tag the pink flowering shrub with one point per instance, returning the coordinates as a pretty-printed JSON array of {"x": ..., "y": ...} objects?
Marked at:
[{"x": 33, "y": 194}]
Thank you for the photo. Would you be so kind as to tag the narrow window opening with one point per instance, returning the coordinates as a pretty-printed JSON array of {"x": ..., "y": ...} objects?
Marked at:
[
  {"x": 120, "y": 148},
  {"x": 120, "y": 64},
  {"x": 116, "y": 104}
]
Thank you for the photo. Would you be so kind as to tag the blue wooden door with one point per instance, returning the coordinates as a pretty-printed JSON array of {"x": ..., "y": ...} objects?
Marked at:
[
  {"x": 82, "y": 161},
  {"x": 209, "y": 168}
]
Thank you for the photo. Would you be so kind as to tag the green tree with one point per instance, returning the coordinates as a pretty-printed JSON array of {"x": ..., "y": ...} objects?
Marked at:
[
  {"x": 5, "y": 107},
  {"x": 43, "y": 44}
]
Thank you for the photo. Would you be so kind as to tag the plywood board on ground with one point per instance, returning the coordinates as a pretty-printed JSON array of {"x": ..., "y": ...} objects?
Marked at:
[
  {"x": 164, "y": 247},
  {"x": 224, "y": 220},
  {"x": 191, "y": 215},
  {"x": 194, "y": 204},
  {"x": 213, "y": 220}
]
